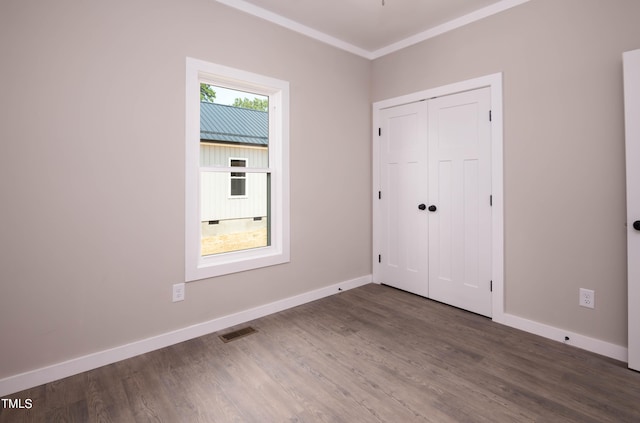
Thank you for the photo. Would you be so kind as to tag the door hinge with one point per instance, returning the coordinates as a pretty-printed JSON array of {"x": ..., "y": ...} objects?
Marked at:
[
  {"x": 379, "y": 258},
  {"x": 489, "y": 115},
  {"x": 379, "y": 131},
  {"x": 491, "y": 286},
  {"x": 491, "y": 200}
]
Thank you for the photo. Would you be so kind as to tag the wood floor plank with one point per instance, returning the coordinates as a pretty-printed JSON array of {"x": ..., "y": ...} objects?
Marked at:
[
  {"x": 106, "y": 396},
  {"x": 257, "y": 394},
  {"x": 363, "y": 399},
  {"x": 539, "y": 396},
  {"x": 146, "y": 398},
  {"x": 388, "y": 359},
  {"x": 196, "y": 392},
  {"x": 386, "y": 356},
  {"x": 70, "y": 412},
  {"x": 371, "y": 354},
  {"x": 319, "y": 403},
  {"x": 65, "y": 391}
]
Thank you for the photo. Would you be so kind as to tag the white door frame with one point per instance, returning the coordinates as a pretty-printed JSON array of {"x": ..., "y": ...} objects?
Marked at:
[{"x": 494, "y": 82}]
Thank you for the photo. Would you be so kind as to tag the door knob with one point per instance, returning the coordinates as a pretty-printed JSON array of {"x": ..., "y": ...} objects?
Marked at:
[
  {"x": 422, "y": 207},
  {"x": 432, "y": 208},
  {"x": 636, "y": 225}
]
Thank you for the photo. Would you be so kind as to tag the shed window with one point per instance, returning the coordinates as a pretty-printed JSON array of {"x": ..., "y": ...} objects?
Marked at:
[{"x": 238, "y": 180}]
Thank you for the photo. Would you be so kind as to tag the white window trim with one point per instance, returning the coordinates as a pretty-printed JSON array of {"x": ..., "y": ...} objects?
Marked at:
[{"x": 196, "y": 266}]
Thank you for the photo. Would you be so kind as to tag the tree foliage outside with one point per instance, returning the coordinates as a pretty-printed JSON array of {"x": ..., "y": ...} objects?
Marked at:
[
  {"x": 207, "y": 93},
  {"x": 261, "y": 104}
]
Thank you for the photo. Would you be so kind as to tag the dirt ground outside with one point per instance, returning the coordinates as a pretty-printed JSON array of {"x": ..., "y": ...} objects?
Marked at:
[{"x": 234, "y": 241}]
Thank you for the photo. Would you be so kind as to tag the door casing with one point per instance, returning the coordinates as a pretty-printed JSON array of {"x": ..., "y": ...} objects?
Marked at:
[{"x": 494, "y": 82}]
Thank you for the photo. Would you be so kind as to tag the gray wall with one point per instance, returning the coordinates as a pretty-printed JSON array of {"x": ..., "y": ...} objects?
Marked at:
[
  {"x": 563, "y": 148},
  {"x": 92, "y": 170}
]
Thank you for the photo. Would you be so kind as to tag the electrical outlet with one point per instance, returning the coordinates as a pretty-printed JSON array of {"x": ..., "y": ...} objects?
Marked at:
[
  {"x": 587, "y": 298},
  {"x": 178, "y": 292}
]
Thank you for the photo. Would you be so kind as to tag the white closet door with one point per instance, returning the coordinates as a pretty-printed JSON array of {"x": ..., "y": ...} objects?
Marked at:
[
  {"x": 632, "y": 135},
  {"x": 460, "y": 200},
  {"x": 403, "y": 188},
  {"x": 435, "y": 188}
]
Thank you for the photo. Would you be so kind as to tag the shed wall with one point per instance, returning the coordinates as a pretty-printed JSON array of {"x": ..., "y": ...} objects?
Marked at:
[{"x": 216, "y": 200}]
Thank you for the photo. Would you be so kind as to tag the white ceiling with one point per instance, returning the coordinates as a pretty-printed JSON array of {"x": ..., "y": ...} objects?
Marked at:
[{"x": 367, "y": 27}]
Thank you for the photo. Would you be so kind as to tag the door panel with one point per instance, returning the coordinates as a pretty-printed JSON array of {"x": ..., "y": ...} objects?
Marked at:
[
  {"x": 443, "y": 233},
  {"x": 403, "y": 148},
  {"x": 632, "y": 141},
  {"x": 460, "y": 188}
]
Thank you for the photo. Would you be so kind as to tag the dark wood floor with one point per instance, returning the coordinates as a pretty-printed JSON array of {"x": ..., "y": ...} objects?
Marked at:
[{"x": 372, "y": 354}]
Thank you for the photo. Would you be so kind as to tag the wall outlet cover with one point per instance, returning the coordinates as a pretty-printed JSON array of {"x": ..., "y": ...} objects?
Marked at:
[
  {"x": 178, "y": 292},
  {"x": 587, "y": 298}
]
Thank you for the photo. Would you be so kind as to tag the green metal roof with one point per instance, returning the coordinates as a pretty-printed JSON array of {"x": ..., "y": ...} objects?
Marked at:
[{"x": 221, "y": 123}]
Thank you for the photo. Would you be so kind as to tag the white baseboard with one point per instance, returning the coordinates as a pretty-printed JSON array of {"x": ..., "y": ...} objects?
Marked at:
[
  {"x": 551, "y": 332},
  {"x": 74, "y": 366}
]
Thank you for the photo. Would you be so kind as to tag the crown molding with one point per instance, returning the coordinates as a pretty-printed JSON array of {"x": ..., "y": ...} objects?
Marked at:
[
  {"x": 265, "y": 14},
  {"x": 372, "y": 54},
  {"x": 479, "y": 14}
]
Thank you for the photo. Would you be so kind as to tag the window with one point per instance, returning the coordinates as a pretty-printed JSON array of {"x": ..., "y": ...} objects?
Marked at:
[
  {"x": 238, "y": 180},
  {"x": 237, "y": 172}
]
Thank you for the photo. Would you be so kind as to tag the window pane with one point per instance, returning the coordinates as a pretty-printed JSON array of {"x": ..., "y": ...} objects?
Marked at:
[
  {"x": 233, "y": 224},
  {"x": 238, "y": 186},
  {"x": 234, "y": 132},
  {"x": 233, "y": 124}
]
